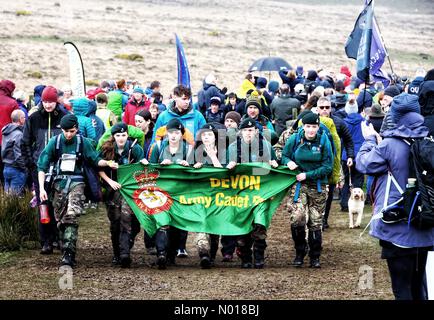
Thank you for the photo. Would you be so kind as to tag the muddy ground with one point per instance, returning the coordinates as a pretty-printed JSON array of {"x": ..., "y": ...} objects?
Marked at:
[{"x": 29, "y": 275}]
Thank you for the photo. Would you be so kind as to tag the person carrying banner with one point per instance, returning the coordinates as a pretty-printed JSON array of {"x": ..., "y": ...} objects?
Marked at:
[
  {"x": 123, "y": 223},
  {"x": 68, "y": 153},
  {"x": 206, "y": 154},
  {"x": 312, "y": 154},
  {"x": 251, "y": 146},
  {"x": 172, "y": 150}
]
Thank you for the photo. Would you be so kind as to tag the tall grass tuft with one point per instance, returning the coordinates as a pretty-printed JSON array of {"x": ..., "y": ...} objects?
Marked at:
[{"x": 18, "y": 221}]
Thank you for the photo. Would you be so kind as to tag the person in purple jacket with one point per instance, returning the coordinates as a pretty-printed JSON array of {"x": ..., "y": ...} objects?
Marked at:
[{"x": 404, "y": 247}]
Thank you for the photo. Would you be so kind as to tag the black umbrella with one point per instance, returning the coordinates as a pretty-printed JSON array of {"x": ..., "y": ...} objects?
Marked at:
[{"x": 270, "y": 64}]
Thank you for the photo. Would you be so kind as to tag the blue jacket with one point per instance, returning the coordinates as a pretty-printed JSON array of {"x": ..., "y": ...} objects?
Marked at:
[
  {"x": 291, "y": 82},
  {"x": 99, "y": 124},
  {"x": 193, "y": 120},
  {"x": 392, "y": 154},
  {"x": 209, "y": 91},
  {"x": 353, "y": 122},
  {"x": 80, "y": 107}
]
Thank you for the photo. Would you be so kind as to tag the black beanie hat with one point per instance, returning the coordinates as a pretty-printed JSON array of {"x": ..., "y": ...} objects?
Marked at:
[
  {"x": 392, "y": 91},
  {"x": 247, "y": 123},
  {"x": 119, "y": 127},
  {"x": 310, "y": 118},
  {"x": 69, "y": 121},
  {"x": 175, "y": 124}
]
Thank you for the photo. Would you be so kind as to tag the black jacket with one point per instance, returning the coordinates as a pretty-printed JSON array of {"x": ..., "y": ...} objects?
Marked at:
[
  {"x": 345, "y": 135},
  {"x": 36, "y": 133}
]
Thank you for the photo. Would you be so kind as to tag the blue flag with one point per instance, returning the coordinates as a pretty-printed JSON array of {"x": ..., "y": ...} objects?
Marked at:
[
  {"x": 183, "y": 73},
  {"x": 366, "y": 35},
  {"x": 364, "y": 51}
]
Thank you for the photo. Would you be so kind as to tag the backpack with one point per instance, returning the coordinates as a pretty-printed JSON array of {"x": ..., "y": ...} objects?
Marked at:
[
  {"x": 422, "y": 154},
  {"x": 92, "y": 182},
  {"x": 416, "y": 206}
]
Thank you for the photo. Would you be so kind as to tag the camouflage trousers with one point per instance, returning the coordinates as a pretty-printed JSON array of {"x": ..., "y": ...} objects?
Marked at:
[
  {"x": 207, "y": 244},
  {"x": 122, "y": 223},
  {"x": 309, "y": 207},
  {"x": 68, "y": 206}
]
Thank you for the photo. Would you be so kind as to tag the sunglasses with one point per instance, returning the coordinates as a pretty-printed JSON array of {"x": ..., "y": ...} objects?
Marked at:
[{"x": 324, "y": 107}]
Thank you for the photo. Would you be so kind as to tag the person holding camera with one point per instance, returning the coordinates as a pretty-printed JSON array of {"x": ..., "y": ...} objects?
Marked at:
[{"x": 403, "y": 246}]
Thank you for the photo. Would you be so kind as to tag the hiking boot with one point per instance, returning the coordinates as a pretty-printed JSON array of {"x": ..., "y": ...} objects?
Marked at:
[
  {"x": 227, "y": 258},
  {"x": 125, "y": 262},
  {"x": 314, "y": 263},
  {"x": 259, "y": 264},
  {"x": 68, "y": 259},
  {"x": 325, "y": 224},
  {"x": 344, "y": 209},
  {"x": 205, "y": 262},
  {"x": 47, "y": 249},
  {"x": 116, "y": 260},
  {"x": 299, "y": 260},
  {"x": 246, "y": 265},
  {"x": 182, "y": 253},
  {"x": 162, "y": 262},
  {"x": 151, "y": 251}
]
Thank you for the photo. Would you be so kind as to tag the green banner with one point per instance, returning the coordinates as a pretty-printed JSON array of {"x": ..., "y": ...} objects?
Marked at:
[{"x": 211, "y": 200}]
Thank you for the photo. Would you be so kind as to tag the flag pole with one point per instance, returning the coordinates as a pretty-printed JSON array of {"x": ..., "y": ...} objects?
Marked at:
[{"x": 384, "y": 43}]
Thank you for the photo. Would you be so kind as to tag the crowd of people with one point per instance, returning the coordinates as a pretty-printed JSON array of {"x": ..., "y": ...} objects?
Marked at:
[{"x": 337, "y": 131}]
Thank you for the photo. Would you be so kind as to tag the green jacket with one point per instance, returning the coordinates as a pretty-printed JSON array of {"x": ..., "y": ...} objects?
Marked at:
[
  {"x": 160, "y": 151},
  {"x": 48, "y": 155},
  {"x": 133, "y": 133},
  {"x": 315, "y": 158},
  {"x": 255, "y": 155},
  {"x": 115, "y": 103}
]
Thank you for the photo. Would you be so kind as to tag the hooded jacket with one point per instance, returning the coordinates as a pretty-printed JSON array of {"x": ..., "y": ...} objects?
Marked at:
[
  {"x": 37, "y": 93},
  {"x": 81, "y": 107},
  {"x": 117, "y": 100},
  {"x": 246, "y": 85},
  {"x": 426, "y": 101},
  {"x": 192, "y": 120},
  {"x": 11, "y": 146},
  {"x": 210, "y": 90},
  {"x": 99, "y": 124},
  {"x": 391, "y": 155},
  {"x": 7, "y": 103}
]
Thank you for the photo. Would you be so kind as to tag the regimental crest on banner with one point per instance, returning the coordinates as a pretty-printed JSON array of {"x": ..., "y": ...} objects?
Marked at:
[{"x": 150, "y": 198}]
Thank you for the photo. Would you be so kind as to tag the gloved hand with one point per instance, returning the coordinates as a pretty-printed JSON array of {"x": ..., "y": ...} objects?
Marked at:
[{"x": 224, "y": 90}]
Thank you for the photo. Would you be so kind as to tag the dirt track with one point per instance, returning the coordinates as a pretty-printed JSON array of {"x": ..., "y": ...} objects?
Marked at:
[{"x": 28, "y": 275}]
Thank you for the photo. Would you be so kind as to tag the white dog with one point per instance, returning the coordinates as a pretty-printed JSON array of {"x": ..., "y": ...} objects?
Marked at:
[{"x": 356, "y": 204}]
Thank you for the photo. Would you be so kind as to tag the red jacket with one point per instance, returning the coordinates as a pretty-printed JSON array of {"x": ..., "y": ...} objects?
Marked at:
[
  {"x": 132, "y": 108},
  {"x": 7, "y": 104}
]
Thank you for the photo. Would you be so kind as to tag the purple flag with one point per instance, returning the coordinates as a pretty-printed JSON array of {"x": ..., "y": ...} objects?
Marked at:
[
  {"x": 183, "y": 73},
  {"x": 378, "y": 51}
]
